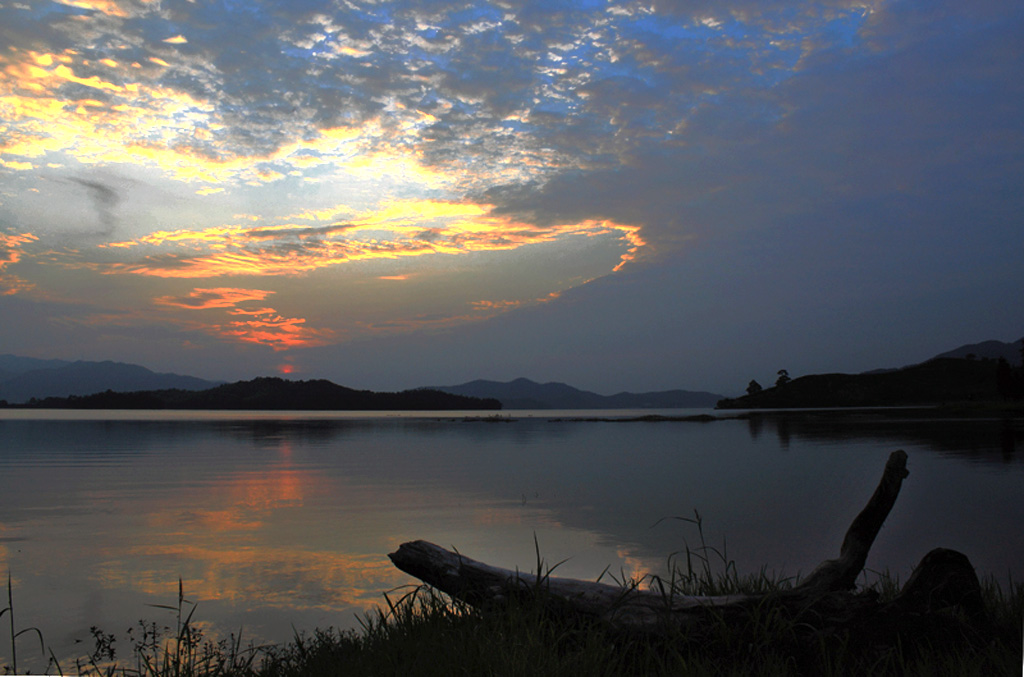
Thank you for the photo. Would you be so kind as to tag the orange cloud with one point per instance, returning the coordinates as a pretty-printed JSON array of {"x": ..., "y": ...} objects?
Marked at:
[
  {"x": 496, "y": 305},
  {"x": 11, "y": 251},
  {"x": 631, "y": 235},
  {"x": 280, "y": 333},
  {"x": 262, "y": 325},
  {"x": 221, "y": 297},
  {"x": 11, "y": 247}
]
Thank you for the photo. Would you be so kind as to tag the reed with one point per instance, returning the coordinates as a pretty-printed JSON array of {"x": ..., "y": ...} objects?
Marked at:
[{"x": 14, "y": 634}]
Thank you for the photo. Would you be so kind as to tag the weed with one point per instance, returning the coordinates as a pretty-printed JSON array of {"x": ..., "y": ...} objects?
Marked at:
[{"x": 15, "y": 634}]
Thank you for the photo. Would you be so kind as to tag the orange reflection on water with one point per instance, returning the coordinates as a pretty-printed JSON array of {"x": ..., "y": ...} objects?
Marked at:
[
  {"x": 240, "y": 502},
  {"x": 254, "y": 577},
  {"x": 633, "y": 568},
  {"x": 240, "y": 539}
]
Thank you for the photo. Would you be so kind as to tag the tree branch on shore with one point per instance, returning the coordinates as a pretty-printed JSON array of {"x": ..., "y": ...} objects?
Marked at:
[{"x": 943, "y": 579}]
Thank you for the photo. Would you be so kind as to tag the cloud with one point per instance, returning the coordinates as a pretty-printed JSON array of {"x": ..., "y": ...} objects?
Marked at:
[
  {"x": 511, "y": 91},
  {"x": 105, "y": 200},
  {"x": 222, "y": 297},
  {"x": 874, "y": 144},
  {"x": 260, "y": 325},
  {"x": 395, "y": 230},
  {"x": 12, "y": 250},
  {"x": 270, "y": 329}
]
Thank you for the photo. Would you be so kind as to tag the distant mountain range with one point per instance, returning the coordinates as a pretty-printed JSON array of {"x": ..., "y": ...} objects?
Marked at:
[
  {"x": 25, "y": 378},
  {"x": 22, "y": 378},
  {"x": 526, "y": 394}
]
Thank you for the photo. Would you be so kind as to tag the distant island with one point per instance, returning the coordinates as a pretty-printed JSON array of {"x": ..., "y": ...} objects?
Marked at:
[
  {"x": 942, "y": 380},
  {"x": 522, "y": 393},
  {"x": 268, "y": 393}
]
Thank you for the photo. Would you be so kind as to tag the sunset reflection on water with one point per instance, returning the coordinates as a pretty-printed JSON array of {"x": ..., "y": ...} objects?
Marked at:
[
  {"x": 282, "y": 525},
  {"x": 233, "y": 539}
]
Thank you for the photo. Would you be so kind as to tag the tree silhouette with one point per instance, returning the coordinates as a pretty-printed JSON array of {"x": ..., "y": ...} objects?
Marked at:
[
  {"x": 783, "y": 378},
  {"x": 753, "y": 388}
]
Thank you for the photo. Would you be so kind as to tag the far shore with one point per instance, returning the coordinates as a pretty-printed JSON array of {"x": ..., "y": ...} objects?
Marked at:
[{"x": 979, "y": 410}]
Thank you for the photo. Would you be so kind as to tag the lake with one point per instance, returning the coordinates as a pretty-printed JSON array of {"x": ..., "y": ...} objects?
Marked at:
[{"x": 275, "y": 520}]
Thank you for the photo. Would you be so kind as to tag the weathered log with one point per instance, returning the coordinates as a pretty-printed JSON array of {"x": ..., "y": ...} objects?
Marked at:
[
  {"x": 823, "y": 594},
  {"x": 482, "y": 584},
  {"x": 841, "y": 573}
]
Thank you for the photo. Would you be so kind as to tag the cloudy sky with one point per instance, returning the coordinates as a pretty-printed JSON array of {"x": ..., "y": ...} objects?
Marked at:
[{"x": 619, "y": 195}]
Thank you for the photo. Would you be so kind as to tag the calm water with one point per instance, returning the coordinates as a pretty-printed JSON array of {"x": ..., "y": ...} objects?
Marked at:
[{"x": 280, "y": 520}]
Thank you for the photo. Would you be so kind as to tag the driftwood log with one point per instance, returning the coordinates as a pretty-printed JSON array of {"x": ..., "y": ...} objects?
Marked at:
[{"x": 943, "y": 579}]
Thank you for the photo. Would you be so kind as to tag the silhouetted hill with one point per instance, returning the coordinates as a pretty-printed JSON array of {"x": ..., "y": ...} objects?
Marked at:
[
  {"x": 991, "y": 350},
  {"x": 27, "y": 378},
  {"x": 526, "y": 394},
  {"x": 272, "y": 394},
  {"x": 937, "y": 381}
]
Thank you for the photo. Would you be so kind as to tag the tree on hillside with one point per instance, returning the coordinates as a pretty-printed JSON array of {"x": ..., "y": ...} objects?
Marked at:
[
  {"x": 783, "y": 378},
  {"x": 753, "y": 388}
]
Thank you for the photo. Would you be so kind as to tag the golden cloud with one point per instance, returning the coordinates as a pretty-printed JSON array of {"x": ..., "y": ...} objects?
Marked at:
[
  {"x": 141, "y": 120},
  {"x": 108, "y": 7},
  {"x": 397, "y": 229}
]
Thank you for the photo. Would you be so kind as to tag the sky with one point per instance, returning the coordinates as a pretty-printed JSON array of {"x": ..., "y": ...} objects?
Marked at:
[{"x": 617, "y": 195}]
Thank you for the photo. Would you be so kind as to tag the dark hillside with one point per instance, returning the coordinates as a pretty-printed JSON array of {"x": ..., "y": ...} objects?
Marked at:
[
  {"x": 271, "y": 394},
  {"x": 937, "y": 381}
]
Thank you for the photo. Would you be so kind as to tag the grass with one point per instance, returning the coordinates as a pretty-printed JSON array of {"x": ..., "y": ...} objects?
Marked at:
[
  {"x": 425, "y": 633},
  {"x": 418, "y": 631}
]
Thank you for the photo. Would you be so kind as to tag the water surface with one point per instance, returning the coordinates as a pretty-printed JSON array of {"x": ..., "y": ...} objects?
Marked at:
[{"x": 273, "y": 520}]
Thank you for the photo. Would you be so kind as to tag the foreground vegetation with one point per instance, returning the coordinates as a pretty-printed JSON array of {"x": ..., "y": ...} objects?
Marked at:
[{"x": 422, "y": 632}]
